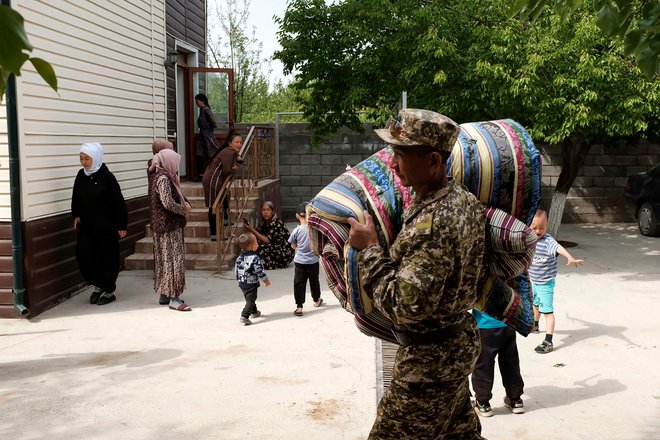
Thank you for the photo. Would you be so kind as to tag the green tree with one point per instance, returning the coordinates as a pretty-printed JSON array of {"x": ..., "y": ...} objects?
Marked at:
[
  {"x": 562, "y": 79},
  {"x": 637, "y": 22},
  {"x": 14, "y": 44},
  {"x": 232, "y": 47}
]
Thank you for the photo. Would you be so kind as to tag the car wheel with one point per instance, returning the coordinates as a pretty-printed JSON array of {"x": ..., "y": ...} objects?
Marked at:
[{"x": 647, "y": 221}]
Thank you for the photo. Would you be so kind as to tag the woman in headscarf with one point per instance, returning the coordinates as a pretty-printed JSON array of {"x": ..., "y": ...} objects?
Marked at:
[
  {"x": 156, "y": 146},
  {"x": 207, "y": 145},
  {"x": 168, "y": 218},
  {"x": 223, "y": 165},
  {"x": 100, "y": 219},
  {"x": 273, "y": 237}
]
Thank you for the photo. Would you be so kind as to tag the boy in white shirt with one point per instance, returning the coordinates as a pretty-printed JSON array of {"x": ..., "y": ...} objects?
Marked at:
[{"x": 306, "y": 263}]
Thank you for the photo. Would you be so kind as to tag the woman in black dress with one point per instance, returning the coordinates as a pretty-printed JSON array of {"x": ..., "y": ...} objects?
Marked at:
[
  {"x": 100, "y": 219},
  {"x": 273, "y": 238},
  {"x": 207, "y": 145}
]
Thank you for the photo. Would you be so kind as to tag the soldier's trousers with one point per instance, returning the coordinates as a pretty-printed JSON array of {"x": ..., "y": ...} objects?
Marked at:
[{"x": 426, "y": 411}]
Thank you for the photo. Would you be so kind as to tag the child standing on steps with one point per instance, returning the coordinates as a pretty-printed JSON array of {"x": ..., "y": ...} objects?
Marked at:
[
  {"x": 249, "y": 270},
  {"x": 542, "y": 274},
  {"x": 307, "y": 264}
]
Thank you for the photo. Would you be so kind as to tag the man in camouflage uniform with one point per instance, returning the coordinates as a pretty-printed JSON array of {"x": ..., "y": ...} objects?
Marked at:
[{"x": 425, "y": 285}]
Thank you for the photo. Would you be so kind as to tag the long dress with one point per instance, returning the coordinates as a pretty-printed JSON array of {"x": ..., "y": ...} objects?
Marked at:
[
  {"x": 98, "y": 202},
  {"x": 278, "y": 253},
  {"x": 169, "y": 247}
]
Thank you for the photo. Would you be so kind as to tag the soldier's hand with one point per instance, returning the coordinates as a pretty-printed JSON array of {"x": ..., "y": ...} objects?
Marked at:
[{"x": 361, "y": 235}]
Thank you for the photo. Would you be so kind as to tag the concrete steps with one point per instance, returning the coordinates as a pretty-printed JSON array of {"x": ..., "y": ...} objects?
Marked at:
[{"x": 201, "y": 253}]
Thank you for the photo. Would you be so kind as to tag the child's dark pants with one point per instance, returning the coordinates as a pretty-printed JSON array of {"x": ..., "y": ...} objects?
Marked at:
[
  {"x": 500, "y": 342},
  {"x": 250, "y": 294},
  {"x": 302, "y": 273}
]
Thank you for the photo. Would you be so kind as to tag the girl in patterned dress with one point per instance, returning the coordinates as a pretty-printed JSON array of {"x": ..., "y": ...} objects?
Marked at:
[
  {"x": 168, "y": 218},
  {"x": 273, "y": 237}
]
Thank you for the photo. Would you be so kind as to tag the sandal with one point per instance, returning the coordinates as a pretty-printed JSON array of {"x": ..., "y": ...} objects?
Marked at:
[
  {"x": 298, "y": 311},
  {"x": 182, "y": 307},
  {"x": 318, "y": 303}
]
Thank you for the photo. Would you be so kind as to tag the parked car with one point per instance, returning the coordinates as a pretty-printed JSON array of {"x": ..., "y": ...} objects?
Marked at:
[{"x": 643, "y": 191}]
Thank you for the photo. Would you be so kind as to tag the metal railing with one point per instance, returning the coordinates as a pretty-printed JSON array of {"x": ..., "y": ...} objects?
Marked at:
[{"x": 259, "y": 163}]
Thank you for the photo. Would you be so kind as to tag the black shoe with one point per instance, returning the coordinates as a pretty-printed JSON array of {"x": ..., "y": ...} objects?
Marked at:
[
  {"x": 163, "y": 300},
  {"x": 106, "y": 298},
  {"x": 94, "y": 298}
]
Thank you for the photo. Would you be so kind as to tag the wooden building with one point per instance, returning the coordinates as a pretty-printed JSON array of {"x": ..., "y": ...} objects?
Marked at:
[{"x": 115, "y": 87}]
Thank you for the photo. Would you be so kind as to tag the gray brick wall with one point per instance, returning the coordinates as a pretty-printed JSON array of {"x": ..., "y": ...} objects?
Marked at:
[
  {"x": 596, "y": 195},
  {"x": 305, "y": 169}
]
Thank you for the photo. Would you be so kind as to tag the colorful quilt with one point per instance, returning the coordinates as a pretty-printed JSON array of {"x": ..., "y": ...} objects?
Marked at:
[{"x": 497, "y": 161}]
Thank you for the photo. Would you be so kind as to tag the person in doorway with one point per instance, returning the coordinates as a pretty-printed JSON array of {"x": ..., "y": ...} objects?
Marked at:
[
  {"x": 100, "y": 219},
  {"x": 425, "y": 284},
  {"x": 542, "y": 273},
  {"x": 273, "y": 237},
  {"x": 207, "y": 145},
  {"x": 307, "y": 264},
  {"x": 168, "y": 218},
  {"x": 223, "y": 165}
]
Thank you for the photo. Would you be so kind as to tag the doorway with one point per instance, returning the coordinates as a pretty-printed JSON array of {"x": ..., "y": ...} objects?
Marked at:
[
  {"x": 218, "y": 86},
  {"x": 181, "y": 135}
]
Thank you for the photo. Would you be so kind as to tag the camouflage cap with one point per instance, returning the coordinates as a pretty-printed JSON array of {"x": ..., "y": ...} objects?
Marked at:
[{"x": 420, "y": 127}]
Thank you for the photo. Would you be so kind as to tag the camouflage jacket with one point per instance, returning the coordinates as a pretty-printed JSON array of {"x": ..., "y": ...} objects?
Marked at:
[{"x": 429, "y": 280}]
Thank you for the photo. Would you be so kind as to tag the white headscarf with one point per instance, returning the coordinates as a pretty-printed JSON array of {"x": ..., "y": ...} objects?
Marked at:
[{"x": 95, "y": 151}]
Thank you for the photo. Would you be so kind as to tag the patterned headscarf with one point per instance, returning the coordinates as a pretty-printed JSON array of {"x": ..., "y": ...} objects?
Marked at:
[
  {"x": 168, "y": 161},
  {"x": 161, "y": 144},
  {"x": 95, "y": 151}
]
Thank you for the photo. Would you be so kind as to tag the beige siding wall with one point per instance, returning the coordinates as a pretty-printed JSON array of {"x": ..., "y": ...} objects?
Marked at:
[
  {"x": 108, "y": 56},
  {"x": 4, "y": 164}
]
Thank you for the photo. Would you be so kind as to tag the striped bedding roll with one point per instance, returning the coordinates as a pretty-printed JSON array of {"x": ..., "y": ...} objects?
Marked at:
[
  {"x": 496, "y": 160},
  {"x": 510, "y": 244}
]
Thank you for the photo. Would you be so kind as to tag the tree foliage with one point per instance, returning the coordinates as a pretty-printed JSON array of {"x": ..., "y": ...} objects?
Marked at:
[
  {"x": 14, "y": 44},
  {"x": 636, "y": 22},
  {"x": 466, "y": 58},
  {"x": 232, "y": 47},
  {"x": 563, "y": 79},
  {"x": 237, "y": 47}
]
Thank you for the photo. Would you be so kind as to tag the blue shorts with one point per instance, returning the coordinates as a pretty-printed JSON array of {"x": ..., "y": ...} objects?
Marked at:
[{"x": 543, "y": 296}]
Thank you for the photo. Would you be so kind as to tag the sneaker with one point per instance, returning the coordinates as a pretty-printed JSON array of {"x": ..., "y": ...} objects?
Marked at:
[
  {"x": 544, "y": 347},
  {"x": 245, "y": 321},
  {"x": 318, "y": 303},
  {"x": 483, "y": 409},
  {"x": 94, "y": 298},
  {"x": 214, "y": 237},
  {"x": 515, "y": 405},
  {"x": 106, "y": 298},
  {"x": 535, "y": 329},
  {"x": 255, "y": 314}
]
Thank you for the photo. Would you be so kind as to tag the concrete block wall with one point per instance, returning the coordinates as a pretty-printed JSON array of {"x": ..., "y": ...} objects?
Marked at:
[
  {"x": 305, "y": 169},
  {"x": 596, "y": 195}
]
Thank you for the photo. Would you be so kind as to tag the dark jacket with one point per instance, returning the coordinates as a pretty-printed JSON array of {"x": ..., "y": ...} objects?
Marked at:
[{"x": 98, "y": 201}]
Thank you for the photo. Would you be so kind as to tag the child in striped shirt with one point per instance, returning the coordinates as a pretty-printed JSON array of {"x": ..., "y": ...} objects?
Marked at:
[{"x": 542, "y": 274}]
